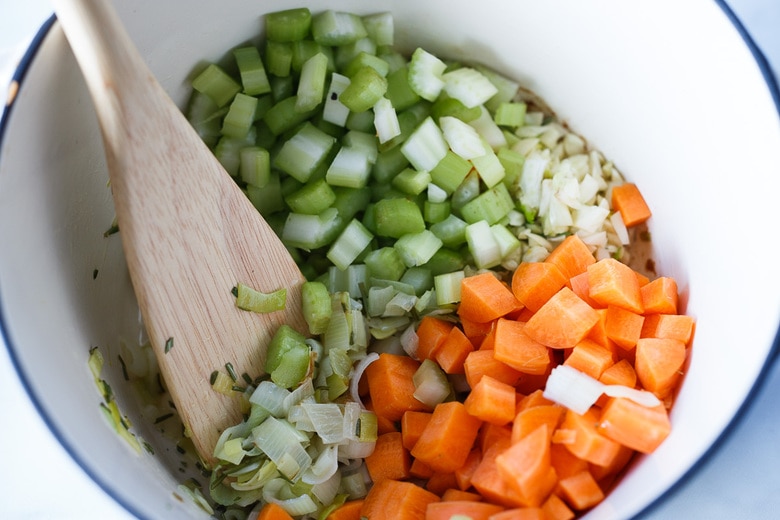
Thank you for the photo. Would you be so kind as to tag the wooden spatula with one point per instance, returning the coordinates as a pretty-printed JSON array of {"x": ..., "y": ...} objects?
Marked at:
[{"x": 188, "y": 232}]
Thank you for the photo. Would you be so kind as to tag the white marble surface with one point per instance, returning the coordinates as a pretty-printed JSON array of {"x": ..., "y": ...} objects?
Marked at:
[{"x": 739, "y": 480}]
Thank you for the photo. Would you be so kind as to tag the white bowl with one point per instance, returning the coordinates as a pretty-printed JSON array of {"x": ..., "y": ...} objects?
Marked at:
[{"x": 668, "y": 90}]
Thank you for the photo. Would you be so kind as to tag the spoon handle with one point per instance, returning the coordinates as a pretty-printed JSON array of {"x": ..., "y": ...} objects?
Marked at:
[{"x": 188, "y": 231}]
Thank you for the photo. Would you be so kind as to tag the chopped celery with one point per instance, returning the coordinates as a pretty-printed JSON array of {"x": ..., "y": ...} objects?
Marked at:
[
  {"x": 386, "y": 120},
  {"x": 337, "y": 28},
  {"x": 289, "y": 25},
  {"x": 365, "y": 88},
  {"x": 412, "y": 182},
  {"x": 380, "y": 28},
  {"x": 483, "y": 245},
  {"x": 385, "y": 263},
  {"x": 240, "y": 116},
  {"x": 364, "y": 59},
  {"x": 462, "y": 138},
  {"x": 311, "y": 85},
  {"x": 283, "y": 116},
  {"x": 490, "y": 206},
  {"x": 426, "y": 146},
  {"x": 316, "y": 306},
  {"x": 510, "y": 114},
  {"x": 255, "y": 166},
  {"x": 417, "y": 248},
  {"x": 278, "y": 56},
  {"x": 348, "y": 246},
  {"x": 399, "y": 92},
  {"x": 250, "y": 299},
  {"x": 287, "y": 357},
  {"x": 425, "y": 74},
  {"x": 304, "y": 152},
  {"x": 350, "y": 168},
  {"x": 253, "y": 75},
  {"x": 334, "y": 110},
  {"x": 312, "y": 198},
  {"x": 448, "y": 286},
  {"x": 217, "y": 84},
  {"x": 450, "y": 172},
  {"x": 398, "y": 217},
  {"x": 468, "y": 86}
]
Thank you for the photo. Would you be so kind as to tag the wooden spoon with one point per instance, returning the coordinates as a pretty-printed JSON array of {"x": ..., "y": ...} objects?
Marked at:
[{"x": 188, "y": 231}]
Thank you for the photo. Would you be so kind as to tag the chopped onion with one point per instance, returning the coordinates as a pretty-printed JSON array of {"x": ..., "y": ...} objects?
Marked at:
[
  {"x": 620, "y": 227},
  {"x": 578, "y": 391},
  {"x": 410, "y": 341},
  {"x": 360, "y": 367}
]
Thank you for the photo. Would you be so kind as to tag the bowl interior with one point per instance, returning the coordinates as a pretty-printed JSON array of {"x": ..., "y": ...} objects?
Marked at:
[{"x": 688, "y": 117}]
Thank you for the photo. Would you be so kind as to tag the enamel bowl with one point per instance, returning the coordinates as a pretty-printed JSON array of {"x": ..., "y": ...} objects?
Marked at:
[{"x": 686, "y": 114}]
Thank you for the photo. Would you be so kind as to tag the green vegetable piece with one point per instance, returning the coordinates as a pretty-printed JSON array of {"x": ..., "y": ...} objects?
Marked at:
[
  {"x": 312, "y": 198},
  {"x": 249, "y": 299},
  {"x": 420, "y": 278},
  {"x": 366, "y": 87},
  {"x": 289, "y": 25},
  {"x": 252, "y": 71},
  {"x": 451, "y": 231},
  {"x": 445, "y": 261},
  {"x": 412, "y": 182},
  {"x": 348, "y": 246},
  {"x": 336, "y": 28},
  {"x": 255, "y": 168},
  {"x": 384, "y": 263},
  {"x": 398, "y": 217},
  {"x": 450, "y": 172},
  {"x": 364, "y": 59},
  {"x": 316, "y": 306},
  {"x": 278, "y": 58},
  {"x": 267, "y": 199},
  {"x": 511, "y": 114},
  {"x": 304, "y": 152},
  {"x": 490, "y": 206},
  {"x": 435, "y": 212},
  {"x": 283, "y": 116},
  {"x": 418, "y": 248},
  {"x": 287, "y": 357},
  {"x": 217, "y": 84},
  {"x": 380, "y": 28},
  {"x": 311, "y": 86},
  {"x": 240, "y": 116},
  {"x": 449, "y": 106}
]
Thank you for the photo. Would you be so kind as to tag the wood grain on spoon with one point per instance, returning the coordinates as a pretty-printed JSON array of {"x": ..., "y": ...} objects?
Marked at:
[{"x": 188, "y": 232}]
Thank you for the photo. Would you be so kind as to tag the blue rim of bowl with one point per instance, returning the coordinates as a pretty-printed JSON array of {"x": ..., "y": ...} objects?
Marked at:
[{"x": 17, "y": 80}]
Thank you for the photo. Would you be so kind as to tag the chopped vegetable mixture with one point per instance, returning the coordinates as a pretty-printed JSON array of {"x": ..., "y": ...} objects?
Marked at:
[{"x": 477, "y": 346}]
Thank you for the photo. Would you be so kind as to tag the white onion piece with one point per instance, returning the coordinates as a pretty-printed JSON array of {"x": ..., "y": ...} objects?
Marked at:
[
  {"x": 578, "y": 391},
  {"x": 357, "y": 374},
  {"x": 410, "y": 342},
  {"x": 620, "y": 227}
]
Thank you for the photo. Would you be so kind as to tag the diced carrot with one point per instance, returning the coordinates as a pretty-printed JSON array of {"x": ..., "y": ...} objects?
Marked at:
[
  {"x": 438, "y": 483},
  {"x": 384, "y": 425},
  {"x": 465, "y": 508},
  {"x": 481, "y": 362},
  {"x": 391, "y": 386},
  {"x": 556, "y": 509},
  {"x": 412, "y": 425},
  {"x": 621, "y": 373},
  {"x": 591, "y": 358},
  {"x": 628, "y": 200},
  {"x": 601, "y": 473},
  {"x": 446, "y": 441},
  {"x": 487, "y": 480},
  {"x": 527, "y": 469},
  {"x": 475, "y": 331},
  {"x": 668, "y": 326},
  {"x": 590, "y": 445},
  {"x": 463, "y": 474},
  {"x": 484, "y": 298},
  {"x": 659, "y": 364},
  {"x": 489, "y": 341},
  {"x": 638, "y": 427},
  {"x": 579, "y": 284},
  {"x": 564, "y": 436},
  {"x": 348, "y": 511},
  {"x": 431, "y": 334},
  {"x": 453, "y": 352},
  {"x": 491, "y": 401},
  {"x": 623, "y": 326},
  {"x": 530, "y": 383},
  {"x": 530, "y": 419},
  {"x": 515, "y": 348},
  {"x": 273, "y": 511},
  {"x": 565, "y": 462},
  {"x": 521, "y": 513},
  {"x": 599, "y": 331},
  {"x": 456, "y": 494},
  {"x": 535, "y": 398},
  {"x": 533, "y": 283},
  {"x": 614, "y": 283},
  {"x": 389, "y": 460},
  {"x": 524, "y": 315},
  {"x": 420, "y": 470},
  {"x": 572, "y": 256},
  {"x": 396, "y": 500},
  {"x": 563, "y": 321},
  {"x": 490, "y": 434},
  {"x": 660, "y": 296},
  {"x": 581, "y": 491}
]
